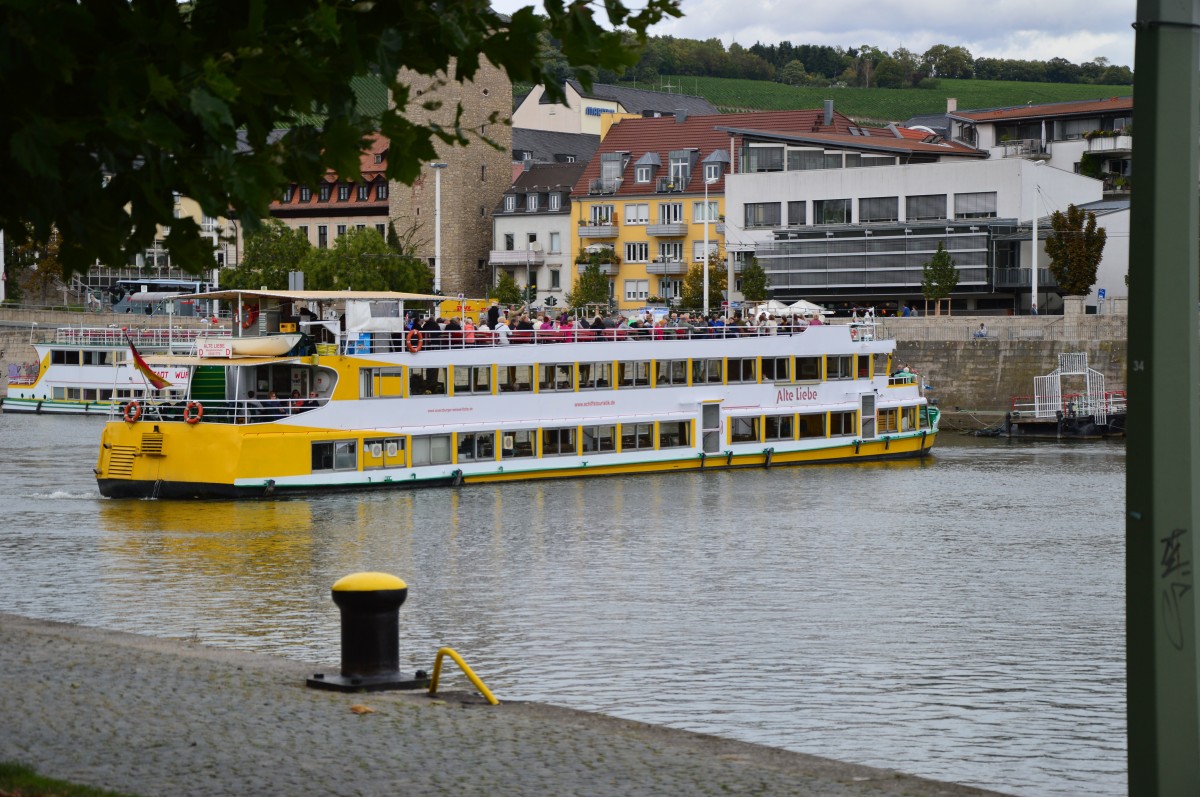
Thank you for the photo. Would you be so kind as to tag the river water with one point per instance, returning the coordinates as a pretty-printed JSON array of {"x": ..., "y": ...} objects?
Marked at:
[{"x": 960, "y": 618}]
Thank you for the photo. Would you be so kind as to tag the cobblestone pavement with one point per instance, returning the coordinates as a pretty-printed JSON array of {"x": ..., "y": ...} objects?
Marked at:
[{"x": 162, "y": 717}]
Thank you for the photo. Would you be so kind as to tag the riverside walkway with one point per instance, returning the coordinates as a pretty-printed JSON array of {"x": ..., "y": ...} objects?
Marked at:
[{"x": 162, "y": 717}]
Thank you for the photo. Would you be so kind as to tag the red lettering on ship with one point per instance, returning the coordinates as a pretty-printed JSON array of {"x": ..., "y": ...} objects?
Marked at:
[{"x": 785, "y": 394}]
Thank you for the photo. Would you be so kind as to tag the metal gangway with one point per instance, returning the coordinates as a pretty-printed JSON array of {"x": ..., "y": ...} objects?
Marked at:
[{"x": 1048, "y": 395}]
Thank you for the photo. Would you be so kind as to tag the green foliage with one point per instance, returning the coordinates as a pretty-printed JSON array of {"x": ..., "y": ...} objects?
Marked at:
[
  {"x": 505, "y": 291},
  {"x": 271, "y": 252},
  {"x": 793, "y": 74},
  {"x": 591, "y": 288},
  {"x": 754, "y": 281},
  {"x": 692, "y": 294},
  {"x": 110, "y": 108},
  {"x": 939, "y": 277},
  {"x": 361, "y": 260},
  {"x": 1075, "y": 249},
  {"x": 17, "y": 779}
]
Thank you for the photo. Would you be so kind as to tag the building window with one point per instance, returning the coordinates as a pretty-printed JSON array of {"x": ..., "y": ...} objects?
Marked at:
[
  {"x": 510, "y": 202},
  {"x": 289, "y": 193},
  {"x": 980, "y": 205},
  {"x": 602, "y": 215},
  {"x": 831, "y": 211},
  {"x": 381, "y": 229},
  {"x": 926, "y": 206},
  {"x": 879, "y": 208},
  {"x": 698, "y": 211},
  {"x": 341, "y": 230},
  {"x": 509, "y": 242},
  {"x": 638, "y": 252},
  {"x": 322, "y": 236},
  {"x": 669, "y": 288},
  {"x": 555, "y": 243},
  {"x": 698, "y": 250},
  {"x": 531, "y": 240},
  {"x": 382, "y": 191},
  {"x": 364, "y": 192},
  {"x": 556, "y": 201},
  {"x": 323, "y": 192},
  {"x": 762, "y": 159},
  {"x": 670, "y": 252},
  {"x": 360, "y": 226},
  {"x": 762, "y": 214},
  {"x": 670, "y": 212},
  {"x": 343, "y": 192},
  {"x": 712, "y": 171},
  {"x": 637, "y": 213},
  {"x": 531, "y": 203},
  {"x": 642, "y": 174},
  {"x": 568, "y": 159},
  {"x": 636, "y": 290},
  {"x": 796, "y": 214},
  {"x": 305, "y": 193},
  {"x": 555, "y": 279},
  {"x": 483, "y": 173},
  {"x": 681, "y": 165}
]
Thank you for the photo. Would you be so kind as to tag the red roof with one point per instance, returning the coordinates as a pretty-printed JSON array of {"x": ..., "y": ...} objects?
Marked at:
[
  {"x": 373, "y": 165},
  {"x": 1077, "y": 108}
]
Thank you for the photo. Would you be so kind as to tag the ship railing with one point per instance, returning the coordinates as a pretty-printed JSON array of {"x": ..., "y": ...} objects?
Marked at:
[
  {"x": 116, "y": 337},
  {"x": 383, "y": 343},
  {"x": 237, "y": 411},
  {"x": 1110, "y": 402}
]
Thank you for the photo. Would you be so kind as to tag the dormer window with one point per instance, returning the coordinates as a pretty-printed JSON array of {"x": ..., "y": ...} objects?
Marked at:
[
  {"x": 643, "y": 174},
  {"x": 343, "y": 192},
  {"x": 364, "y": 192},
  {"x": 555, "y": 201},
  {"x": 510, "y": 202},
  {"x": 531, "y": 203},
  {"x": 324, "y": 189},
  {"x": 712, "y": 171},
  {"x": 288, "y": 193},
  {"x": 305, "y": 193}
]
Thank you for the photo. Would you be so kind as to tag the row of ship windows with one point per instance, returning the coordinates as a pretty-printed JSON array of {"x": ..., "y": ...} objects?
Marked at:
[
  {"x": 107, "y": 394},
  {"x": 458, "y": 447},
  {"x": 554, "y": 377}
]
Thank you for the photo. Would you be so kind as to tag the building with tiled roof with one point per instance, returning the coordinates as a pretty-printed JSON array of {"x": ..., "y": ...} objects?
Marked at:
[
  {"x": 532, "y": 231},
  {"x": 585, "y": 110},
  {"x": 545, "y": 146}
]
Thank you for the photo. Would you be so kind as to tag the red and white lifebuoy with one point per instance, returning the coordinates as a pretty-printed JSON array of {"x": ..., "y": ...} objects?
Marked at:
[
  {"x": 414, "y": 341},
  {"x": 193, "y": 412},
  {"x": 133, "y": 411},
  {"x": 251, "y": 316},
  {"x": 853, "y": 333}
]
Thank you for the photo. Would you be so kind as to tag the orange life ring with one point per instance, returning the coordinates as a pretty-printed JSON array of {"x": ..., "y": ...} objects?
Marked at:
[
  {"x": 133, "y": 411},
  {"x": 853, "y": 333},
  {"x": 251, "y": 315},
  {"x": 193, "y": 407},
  {"x": 414, "y": 340}
]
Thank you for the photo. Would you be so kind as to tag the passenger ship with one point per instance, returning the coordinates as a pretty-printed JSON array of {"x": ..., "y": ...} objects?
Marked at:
[
  {"x": 88, "y": 370},
  {"x": 381, "y": 408}
]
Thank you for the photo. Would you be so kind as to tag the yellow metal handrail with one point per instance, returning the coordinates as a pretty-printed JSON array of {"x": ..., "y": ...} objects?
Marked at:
[{"x": 437, "y": 670}]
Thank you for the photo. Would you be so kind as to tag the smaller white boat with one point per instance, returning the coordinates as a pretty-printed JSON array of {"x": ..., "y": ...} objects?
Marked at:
[{"x": 254, "y": 346}]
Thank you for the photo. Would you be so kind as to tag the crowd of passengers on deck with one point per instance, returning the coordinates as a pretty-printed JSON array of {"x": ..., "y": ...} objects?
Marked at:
[{"x": 496, "y": 328}]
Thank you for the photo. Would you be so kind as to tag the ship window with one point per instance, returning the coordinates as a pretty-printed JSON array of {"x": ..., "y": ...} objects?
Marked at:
[
  {"x": 888, "y": 420},
  {"x": 476, "y": 446},
  {"x": 636, "y": 436},
  {"x": 674, "y": 434},
  {"x": 743, "y": 430},
  {"x": 558, "y": 442},
  {"x": 808, "y": 369},
  {"x": 595, "y": 376},
  {"x": 514, "y": 378},
  {"x": 518, "y": 443},
  {"x": 106, "y": 395},
  {"x": 634, "y": 374},
  {"x": 597, "y": 439},
  {"x": 382, "y": 382},
  {"x": 839, "y": 367},
  {"x": 433, "y": 449},
  {"x": 89, "y": 394},
  {"x": 706, "y": 371},
  {"x": 58, "y": 393},
  {"x": 812, "y": 425},
  {"x": 742, "y": 369},
  {"x": 556, "y": 376},
  {"x": 335, "y": 455},
  {"x": 426, "y": 381},
  {"x": 95, "y": 358},
  {"x": 472, "y": 379},
  {"x": 61, "y": 357},
  {"x": 864, "y": 366},
  {"x": 843, "y": 423},
  {"x": 671, "y": 372},
  {"x": 776, "y": 369},
  {"x": 778, "y": 427},
  {"x": 383, "y": 452}
]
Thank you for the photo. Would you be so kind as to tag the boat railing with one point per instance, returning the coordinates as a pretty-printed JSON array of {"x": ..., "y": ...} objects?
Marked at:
[
  {"x": 384, "y": 342},
  {"x": 117, "y": 337},
  {"x": 239, "y": 411},
  {"x": 1110, "y": 402}
]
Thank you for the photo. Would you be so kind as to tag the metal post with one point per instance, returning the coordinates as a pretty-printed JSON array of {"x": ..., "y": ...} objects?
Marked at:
[
  {"x": 1162, "y": 500},
  {"x": 3, "y": 273},
  {"x": 1033, "y": 272},
  {"x": 437, "y": 225},
  {"x": 707, "y": 183}
]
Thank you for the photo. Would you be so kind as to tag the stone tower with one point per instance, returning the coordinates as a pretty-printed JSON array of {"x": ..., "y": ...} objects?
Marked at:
[{"x": 473, "y": 181}]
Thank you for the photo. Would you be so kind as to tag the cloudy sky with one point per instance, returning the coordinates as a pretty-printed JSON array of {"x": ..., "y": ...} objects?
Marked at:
[{"x": 1078, "y": 30}]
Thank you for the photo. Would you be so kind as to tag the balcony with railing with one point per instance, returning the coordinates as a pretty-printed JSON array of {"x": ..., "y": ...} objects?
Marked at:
[
  {"x": 1026, "y": 148},
  {"x": 670, "y": 185},
  {"x": 604, "y": 186},
  {"x": 667, "y": 229},
  {"x": 516, "y": 257},
  {"x": 607, "y": 269},
  {"x": 1019, "y": 278},
  {"x": 667, "y": 265},
  {"x": 598, "y": 229},
  {"x": 1116, "y": 144}
]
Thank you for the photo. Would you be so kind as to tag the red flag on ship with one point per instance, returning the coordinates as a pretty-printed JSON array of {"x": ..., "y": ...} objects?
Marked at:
[{"x": 154, "y": 379}]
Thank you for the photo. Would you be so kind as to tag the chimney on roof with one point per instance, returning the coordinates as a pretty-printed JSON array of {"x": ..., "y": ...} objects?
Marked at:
[
  {"x": 951, "y": 104},
  {"x": 828, "y": 113},
  {"x": 680, "y": 115}
]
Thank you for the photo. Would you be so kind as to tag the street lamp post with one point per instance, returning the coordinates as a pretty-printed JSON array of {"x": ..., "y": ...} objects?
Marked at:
[
  {"x": 1033, "y": 272},
  {"x": 437, "y": 225},
  {"x": 709, "y": 181}
]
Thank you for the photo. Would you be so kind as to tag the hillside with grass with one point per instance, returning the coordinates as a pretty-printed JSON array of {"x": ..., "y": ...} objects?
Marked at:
[{"x": 878, "y": 106}]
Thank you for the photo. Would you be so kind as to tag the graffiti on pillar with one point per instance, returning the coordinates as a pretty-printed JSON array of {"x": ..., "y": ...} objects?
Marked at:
[{"x": 1177, "y": 577}]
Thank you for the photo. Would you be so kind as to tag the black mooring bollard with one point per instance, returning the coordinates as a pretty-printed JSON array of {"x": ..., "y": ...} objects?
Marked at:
[{"x": 370, "y": 607}]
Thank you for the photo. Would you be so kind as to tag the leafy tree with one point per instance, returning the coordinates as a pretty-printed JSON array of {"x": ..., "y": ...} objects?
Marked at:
[
  {"x": 271, "y": 252},
  {"x": 692, "y": 294},
  {"x": 505, "y": 291},
  {"x": 361, "y": 260},
  {"x": 590, "y": 288},
  {"x": 754, "y": 281},
  {"x": 1075, "y": 249},
  {"x": 33, "y": 270},
  {"x": 942, "y": 60},
  {"x": 939, "y": 277},
  {"x": 793, "y": 74},
  {"x": 110, "y": 108}
]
